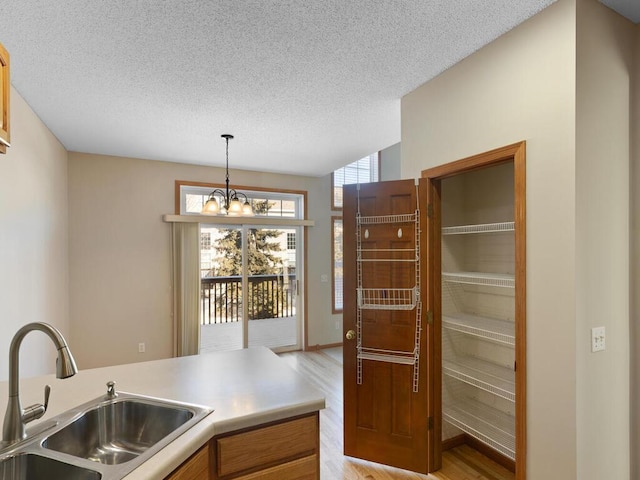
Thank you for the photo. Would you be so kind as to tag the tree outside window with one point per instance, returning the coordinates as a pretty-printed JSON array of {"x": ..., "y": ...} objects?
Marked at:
[{"x": 262, "y": 259}]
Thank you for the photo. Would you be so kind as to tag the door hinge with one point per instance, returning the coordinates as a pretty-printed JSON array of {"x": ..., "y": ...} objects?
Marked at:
[
  {"x": 429, "y": 317},
  {"x": 430, "y": 210},
  {"x": 430, "y": 423}
]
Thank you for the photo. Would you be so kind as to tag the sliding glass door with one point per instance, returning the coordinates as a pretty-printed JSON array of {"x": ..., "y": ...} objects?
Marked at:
[
  {"x": 221, "y": 299},
  {"x": 273, "y": 288},
  {"x": 250, "y": 287}
]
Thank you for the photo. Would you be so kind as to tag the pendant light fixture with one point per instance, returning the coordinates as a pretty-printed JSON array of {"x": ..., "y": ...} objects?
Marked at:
[{"x": 227, "y": 202}]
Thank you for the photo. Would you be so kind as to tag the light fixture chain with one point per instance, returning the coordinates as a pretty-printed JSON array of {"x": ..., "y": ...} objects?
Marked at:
[{"x": 227, "y": 199}]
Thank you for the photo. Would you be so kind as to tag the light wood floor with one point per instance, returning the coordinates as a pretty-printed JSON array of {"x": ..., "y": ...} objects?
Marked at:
[{"x": 325, "y": 373}]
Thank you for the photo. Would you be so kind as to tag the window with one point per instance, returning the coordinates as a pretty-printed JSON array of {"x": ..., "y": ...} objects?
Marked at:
[
  {"x": 264, "y": 203},
  {"x": 291, "y": 241},
  {"x": 364, "y": 170},
  {"x": 205, "y": 241},
  {"x": 336, "y": 266}
]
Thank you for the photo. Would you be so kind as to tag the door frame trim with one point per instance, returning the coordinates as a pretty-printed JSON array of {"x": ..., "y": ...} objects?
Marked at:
[{"x": 511, "y": 153}]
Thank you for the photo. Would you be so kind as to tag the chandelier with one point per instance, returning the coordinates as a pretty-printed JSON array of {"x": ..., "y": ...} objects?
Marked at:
[{"x": 227, "y": 202}]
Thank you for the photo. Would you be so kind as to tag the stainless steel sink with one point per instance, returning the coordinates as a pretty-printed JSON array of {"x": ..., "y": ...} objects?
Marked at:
[
  {"x": 103, "y": 439},
  {"x": 118, "y": 431},
  {"x": 27, "y": 466}
]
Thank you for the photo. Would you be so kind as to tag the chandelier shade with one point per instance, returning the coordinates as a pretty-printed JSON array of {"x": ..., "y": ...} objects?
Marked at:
[{"x": 227, "y": 201}]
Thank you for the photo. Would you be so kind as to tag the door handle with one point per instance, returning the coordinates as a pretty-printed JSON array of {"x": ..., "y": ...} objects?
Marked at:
[{"x": 350, "y": 335}]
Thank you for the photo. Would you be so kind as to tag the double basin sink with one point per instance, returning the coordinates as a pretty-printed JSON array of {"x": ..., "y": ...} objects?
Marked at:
[{"x": 104, "y": 439}]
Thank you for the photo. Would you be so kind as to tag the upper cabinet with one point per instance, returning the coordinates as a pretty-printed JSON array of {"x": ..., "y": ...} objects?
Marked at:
[{"x": 5, "y": 87}]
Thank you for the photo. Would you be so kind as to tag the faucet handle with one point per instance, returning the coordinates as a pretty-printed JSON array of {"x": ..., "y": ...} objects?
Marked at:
[
  {"x": 33, "y": 412},
  {"x": 47, "y": 393}
]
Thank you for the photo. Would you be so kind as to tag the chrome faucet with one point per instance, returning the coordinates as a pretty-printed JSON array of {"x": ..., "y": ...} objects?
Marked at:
[{"x": 15, "y": 418}]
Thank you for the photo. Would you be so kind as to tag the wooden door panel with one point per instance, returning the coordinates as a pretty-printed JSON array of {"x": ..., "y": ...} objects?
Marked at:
[
  {"x": 384, "y": 404},
  {"x": 385, "y": 420},
  {"x": 386, "y": 425},
  {"x": 401, "y": 396}
]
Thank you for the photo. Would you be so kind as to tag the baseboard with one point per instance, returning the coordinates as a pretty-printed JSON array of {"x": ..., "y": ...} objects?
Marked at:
[
  {"x": 489, "y": 452},
  {"x": 315, "y": 348},
  {"x": 453, "y": 442}
]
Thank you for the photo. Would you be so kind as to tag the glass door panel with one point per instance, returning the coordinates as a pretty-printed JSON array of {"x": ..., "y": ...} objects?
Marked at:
[
  {"x": 272, "y": 287},
  {"x": 221, "y": 281}
]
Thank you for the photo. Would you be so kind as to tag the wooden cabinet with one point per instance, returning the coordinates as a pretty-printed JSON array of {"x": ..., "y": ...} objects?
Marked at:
[
  {"x": 197, "y": 467},
  {"x": 284, "y": 450},
  {"x": 5, "y": 88},
  {"x": 302, "y": 469}
]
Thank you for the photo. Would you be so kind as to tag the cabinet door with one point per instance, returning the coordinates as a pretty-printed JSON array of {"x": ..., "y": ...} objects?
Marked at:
[
  {"x": 302, "y": 469},
  {"x": 195, "y": 468},
  {"x": 5, "y": 87}
]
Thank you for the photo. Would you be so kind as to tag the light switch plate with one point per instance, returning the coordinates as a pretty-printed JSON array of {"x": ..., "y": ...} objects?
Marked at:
[{"x": 597, "y": 339}]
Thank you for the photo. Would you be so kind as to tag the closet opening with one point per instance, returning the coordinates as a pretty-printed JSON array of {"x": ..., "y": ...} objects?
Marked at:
[{"x": 476, "y": 276}]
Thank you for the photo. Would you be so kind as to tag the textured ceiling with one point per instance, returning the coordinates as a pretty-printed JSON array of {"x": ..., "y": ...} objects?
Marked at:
[{"x": 305, "y": 86}]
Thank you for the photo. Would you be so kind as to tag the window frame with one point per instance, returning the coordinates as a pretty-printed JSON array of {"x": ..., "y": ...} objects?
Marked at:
[{"x": 301, "y": 240}]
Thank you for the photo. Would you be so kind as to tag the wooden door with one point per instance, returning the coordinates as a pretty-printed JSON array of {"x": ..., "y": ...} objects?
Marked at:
[
  {"x": 5, "y": 87},
  {"x": 386, "y": 396}
]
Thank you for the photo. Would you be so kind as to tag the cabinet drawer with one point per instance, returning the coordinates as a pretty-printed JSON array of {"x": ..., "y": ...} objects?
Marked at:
[
  {"x": 267, "y": 445},
  {"x": 195, "y": 468},
  {"x": 302, "y": 469}
]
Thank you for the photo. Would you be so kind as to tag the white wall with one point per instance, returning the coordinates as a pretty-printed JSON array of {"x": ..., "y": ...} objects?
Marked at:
[
  {"x": 634, "y": 179},
  {"x": 120, "y": 253},
  {"x": 390, "y": 162},
  {"x": 522, "y": 87},
  {"x": 33, "y": 240},
  {"x": 605, "y": 68}
]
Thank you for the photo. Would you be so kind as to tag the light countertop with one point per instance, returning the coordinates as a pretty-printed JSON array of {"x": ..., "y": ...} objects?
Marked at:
[{"x": 244, "y": 387}]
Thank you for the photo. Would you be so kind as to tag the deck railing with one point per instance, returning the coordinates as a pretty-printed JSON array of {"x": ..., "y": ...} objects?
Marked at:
[{"x": 270, "y": 296}]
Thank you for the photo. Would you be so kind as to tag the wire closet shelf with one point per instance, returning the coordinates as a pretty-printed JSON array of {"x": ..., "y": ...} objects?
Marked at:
[
  {"x": 484, "y": 423},
  {"x": 501, "y": 227},
  {"x": 495, "y": 379},
  {"x": 501, "y": 331},
  {"x": 482, "y": 279}
]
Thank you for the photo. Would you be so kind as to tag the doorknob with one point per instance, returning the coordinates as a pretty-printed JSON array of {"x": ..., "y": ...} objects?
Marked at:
[{"x": 350, "y": 335}]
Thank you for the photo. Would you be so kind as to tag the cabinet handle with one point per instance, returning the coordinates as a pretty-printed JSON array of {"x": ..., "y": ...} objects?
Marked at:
[{"x": 350, "y": 335}]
